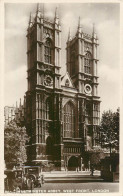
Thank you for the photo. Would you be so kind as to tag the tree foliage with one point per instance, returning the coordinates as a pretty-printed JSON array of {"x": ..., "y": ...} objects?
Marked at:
[
  {"x": 95, "y": 155},
  {"x": 15, "y": 139},
  {"x": 110, "y": 128}
]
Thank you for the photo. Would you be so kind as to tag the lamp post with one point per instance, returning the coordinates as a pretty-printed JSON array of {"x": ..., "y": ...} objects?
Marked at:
[
  {"x": 110, "y": 145},
  {"x": 89, "y": 165},
  {"x": 81, "y": 163},
  {"x": 101, "y": 137},
  {"x": 106, "y": 140}
]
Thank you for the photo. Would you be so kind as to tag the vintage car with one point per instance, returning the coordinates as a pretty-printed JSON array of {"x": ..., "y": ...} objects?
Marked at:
[
  {"x": 34, "y": 173},
  {"x": 27, "y": 177},
  {"x": 15, "y": 180}
]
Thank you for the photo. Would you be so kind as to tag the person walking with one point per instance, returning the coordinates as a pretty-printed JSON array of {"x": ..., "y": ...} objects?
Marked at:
[{"x": 92, "y": 170}]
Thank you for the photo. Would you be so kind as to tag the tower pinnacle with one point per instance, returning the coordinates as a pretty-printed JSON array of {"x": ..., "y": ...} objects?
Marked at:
[
  {"x": 79, "y": 26},
  {"x": 20, "y": 101},
  {"x": 39, "y": 12},
  {"x": 93, "y": 28},
  {"x": 94, "y": 32},
  {"x": 69, "y": 35},
  {"x": 30, "y": 19},
  {"x": 56, "y": 13},
  {"x": 56, "y": 19},
  {"x": 38, "y": 7}
]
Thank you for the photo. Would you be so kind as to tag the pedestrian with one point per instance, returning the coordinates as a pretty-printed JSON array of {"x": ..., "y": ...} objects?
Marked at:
[{"x": 92, "y": 170}]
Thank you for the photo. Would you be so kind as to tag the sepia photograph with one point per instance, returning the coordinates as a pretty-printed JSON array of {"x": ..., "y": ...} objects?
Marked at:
[{"x": 61, "y": 97}]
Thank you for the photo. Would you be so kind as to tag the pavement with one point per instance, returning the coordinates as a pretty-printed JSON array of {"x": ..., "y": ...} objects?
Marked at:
[
  {"x": 64, "y": 173},
  {"x": 71, "y": 177}
]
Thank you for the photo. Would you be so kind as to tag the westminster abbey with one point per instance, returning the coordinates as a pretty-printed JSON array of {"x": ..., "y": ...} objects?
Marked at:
[{"x": 62, "y": 113}]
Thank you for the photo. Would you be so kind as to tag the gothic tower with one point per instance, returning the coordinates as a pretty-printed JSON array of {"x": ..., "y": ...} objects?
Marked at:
[
  {"x": 43, "y": 102},
  {"x": 62, "y": 113},
  {"x": 82, "y": 65}
]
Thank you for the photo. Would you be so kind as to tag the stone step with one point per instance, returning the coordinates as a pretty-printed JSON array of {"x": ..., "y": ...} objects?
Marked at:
[
  {"x": 69, "y": 174},
  {"x": 73, "y": 179}
]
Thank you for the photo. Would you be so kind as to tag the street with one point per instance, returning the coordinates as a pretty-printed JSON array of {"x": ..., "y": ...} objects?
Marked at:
[
  {"x": 75, "y": 182},
  {"x": 79, "y": 188}
]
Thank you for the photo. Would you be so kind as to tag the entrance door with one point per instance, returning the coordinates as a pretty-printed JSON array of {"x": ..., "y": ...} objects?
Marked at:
[{"x": 73, "y": 163}]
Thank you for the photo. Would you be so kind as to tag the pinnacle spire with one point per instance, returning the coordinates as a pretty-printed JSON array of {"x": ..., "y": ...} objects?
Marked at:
[
  {"x": 94, "y": 32},
  {"x": 69, "y": 35},
  {"x": 20, "y": 101},
  {"x": 56, "y": 13},
  {"x": 79, "y": 25},
  {"x": 56, "y": 19},
  {"x": 93, "y": 28},
  {"x": 40, "y": 12},
  {"x": 30, "y": 18},
  {"x": 38, "y": 7}
]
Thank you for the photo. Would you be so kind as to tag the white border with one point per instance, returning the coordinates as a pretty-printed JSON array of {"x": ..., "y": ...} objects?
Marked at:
[{"x": 120, "y": 193}]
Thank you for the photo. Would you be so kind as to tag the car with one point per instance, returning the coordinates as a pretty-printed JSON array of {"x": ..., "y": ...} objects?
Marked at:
[
  {"x": 34, "y": 173},
  {"x": 14, "y": 180},
  {"x": 27, "y": 177}
]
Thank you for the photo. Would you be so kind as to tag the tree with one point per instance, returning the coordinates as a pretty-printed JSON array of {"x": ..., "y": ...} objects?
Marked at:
[
  {"x": 110, "y": 129},
  {"x": 95, "y": 156},
  {"x": 15, "y": 139}
]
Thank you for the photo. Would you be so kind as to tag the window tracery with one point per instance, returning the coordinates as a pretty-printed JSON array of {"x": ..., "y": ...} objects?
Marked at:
[
  {"x": 48, "y": 51},
  {"x": 47, "y": 109},
  {"x": 88, "y": 62},
  {"x": 69, "y": 120}
]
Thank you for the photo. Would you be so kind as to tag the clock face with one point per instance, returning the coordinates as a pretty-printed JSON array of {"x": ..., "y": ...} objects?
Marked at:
[
  {"x": 48, "y": 80},
  {"x": 88, "y": 89}
]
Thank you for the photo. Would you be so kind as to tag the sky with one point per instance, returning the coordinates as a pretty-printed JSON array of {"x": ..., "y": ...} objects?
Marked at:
[{"x": 105, "y": 16}]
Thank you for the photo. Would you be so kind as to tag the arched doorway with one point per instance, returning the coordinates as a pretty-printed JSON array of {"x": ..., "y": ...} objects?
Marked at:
[{"x": 73, "y": 163}]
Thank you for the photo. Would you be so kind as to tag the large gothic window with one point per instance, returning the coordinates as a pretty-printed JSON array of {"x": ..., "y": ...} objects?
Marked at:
[
  {"x": 88, "y": 112},
  {"x": 69, "y": 120},
  {"x": 48, "y": 51},
  {"x": 88, "y": 62}
]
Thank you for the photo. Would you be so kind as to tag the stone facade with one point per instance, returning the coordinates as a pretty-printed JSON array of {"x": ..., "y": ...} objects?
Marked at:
[
  {"x": 9, "y": 114},
  {"x": 16, "y": 113},
  {"x": 62, "y": 113}
]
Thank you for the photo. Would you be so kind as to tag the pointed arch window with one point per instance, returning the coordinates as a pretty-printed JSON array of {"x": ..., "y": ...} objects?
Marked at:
[
  {"x": 88, "y": 63},
  {"x": 69, "y": 120},
  {"x": 48, "y": 51},
  {"x": 73, "y": 64}
]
